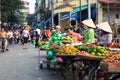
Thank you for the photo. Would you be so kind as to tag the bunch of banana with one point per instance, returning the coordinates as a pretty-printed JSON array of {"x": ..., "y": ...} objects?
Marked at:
[
  {"x": 67, "y": 50},
  {"x": 68, "y": 39}
]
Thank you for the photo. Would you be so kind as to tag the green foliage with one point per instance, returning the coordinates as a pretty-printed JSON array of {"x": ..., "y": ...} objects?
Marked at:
[
  {"x": 9, "y": 7},
  {"x": 42, "y": 3},
  {"x": 30, "y": 18}
]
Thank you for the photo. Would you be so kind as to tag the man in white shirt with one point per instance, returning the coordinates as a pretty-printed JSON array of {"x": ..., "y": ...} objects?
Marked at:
[{"x": 38, "y": 31}]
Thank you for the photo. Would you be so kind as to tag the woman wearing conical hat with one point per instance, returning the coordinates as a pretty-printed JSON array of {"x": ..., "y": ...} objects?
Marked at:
[
  {"x": 89, "y": 37},
  {"x": 105, "y": 36}
]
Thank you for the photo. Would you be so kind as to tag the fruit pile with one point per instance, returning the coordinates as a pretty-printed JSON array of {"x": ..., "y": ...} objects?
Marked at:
[
  {"x": 96, "y": 51},
  {"x": 84, "y": 53},
  {"x": 67, "y": 50},
  {"x": 116, "y": 45},
  {"x": 42, "y": 43},
  {"x": 111, "y": 53},
  {"x": 54, "y": 47},
  {"x": 68, "y": 39},
  {"x": 83, "y": 48},
  {"x": 113, "y": 58}
]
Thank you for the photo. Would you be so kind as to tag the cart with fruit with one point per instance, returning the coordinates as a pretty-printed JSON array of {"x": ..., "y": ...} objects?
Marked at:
[
  {"x": 79, "y": 61},
  {"x": 68, "y": 56},
  {"x": 91, "y": 57},
  {"x": 43, "y": 47},
  {"x": 111, "y": 64}
]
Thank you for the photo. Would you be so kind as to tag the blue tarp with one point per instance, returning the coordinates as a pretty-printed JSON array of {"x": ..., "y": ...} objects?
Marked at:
[
  {"x": 74, "y": 16},
  {"x": 66, "y": 16}
]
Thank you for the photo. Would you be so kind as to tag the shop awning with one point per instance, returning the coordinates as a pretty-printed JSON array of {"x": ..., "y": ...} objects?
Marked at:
[
  {"x": 78, "y": 9},
  {"x": 66, "y": 16},
  {"x": 73, "y": 13}
]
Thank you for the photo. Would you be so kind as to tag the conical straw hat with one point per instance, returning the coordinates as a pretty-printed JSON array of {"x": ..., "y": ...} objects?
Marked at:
[
  {"x": 89, "y": 23},
  {"x": 105, "y": 26},
  {"x": 58, "y": 27}
]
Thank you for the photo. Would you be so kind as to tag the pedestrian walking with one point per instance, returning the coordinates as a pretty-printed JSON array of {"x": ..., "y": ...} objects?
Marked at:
[
  {"x": 16, "y": 36},
  {"x": 37, "y": 37},
  {"x": 10, "y": 36},
  {"x": 25, "y": 37},
  {"x": 3, "y": 37}
]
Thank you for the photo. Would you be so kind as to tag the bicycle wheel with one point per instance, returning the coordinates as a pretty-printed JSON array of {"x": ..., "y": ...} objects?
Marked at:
[
  {"x": 93, "y": 74},
  {"x": 117, "y": 77}
]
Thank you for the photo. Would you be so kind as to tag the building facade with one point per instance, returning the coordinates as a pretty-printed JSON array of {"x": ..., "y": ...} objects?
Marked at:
[
  {"x": 61, "y": 7},
  {"x": 109, "y": 10},
  {"x": 25, "y": 11},
  {"x": 49, "y": 8}
]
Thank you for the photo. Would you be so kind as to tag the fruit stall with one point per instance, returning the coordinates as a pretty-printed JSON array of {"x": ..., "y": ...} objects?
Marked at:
[{"x": 78, "y": 61}]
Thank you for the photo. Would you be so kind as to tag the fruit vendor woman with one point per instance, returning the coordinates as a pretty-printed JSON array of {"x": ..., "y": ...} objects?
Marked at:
[
  {"x": 76, "y": 36},
  {"x": 89, "y": 37},
  {"x": 56, "y": 36},
  {"x": 105, "y": 37}
]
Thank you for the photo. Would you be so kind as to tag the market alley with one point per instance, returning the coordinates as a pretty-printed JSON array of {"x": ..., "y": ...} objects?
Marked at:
[{"x": 22, "y": 64}]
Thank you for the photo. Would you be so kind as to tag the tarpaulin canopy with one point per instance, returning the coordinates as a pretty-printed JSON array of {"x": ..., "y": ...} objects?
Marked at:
[
  {"x": 74, "y": 13},
  {"x": 66, "y": 16},
  {"x": 78, "y": 9}
]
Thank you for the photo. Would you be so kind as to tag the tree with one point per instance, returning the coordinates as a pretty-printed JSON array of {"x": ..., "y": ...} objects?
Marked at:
[{"x": 9, "y": 7}]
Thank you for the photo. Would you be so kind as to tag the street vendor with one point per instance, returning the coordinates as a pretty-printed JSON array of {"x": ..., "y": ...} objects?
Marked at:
[
  {"x": 56, "y": 36},
  {"x": 48, "y": 33},
  {"x": 75, "y": 35},
  {"x": 89, "y": 37},
  {"x": 105, "y": 37}
]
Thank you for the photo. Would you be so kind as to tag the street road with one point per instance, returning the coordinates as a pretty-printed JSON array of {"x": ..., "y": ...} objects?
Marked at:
[{"x": 22, "y": 64}]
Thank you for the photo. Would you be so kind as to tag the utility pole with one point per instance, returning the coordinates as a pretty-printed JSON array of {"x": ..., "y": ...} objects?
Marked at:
[
  {"x": 0, "y": 15},
  {"x": 97, "y": 12},
  {"x": 89, "y": 10},
  {"x": 80, "y": 12},
  {"x": 108, "y": 10},
  {"x": 52, "y": 12}
]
